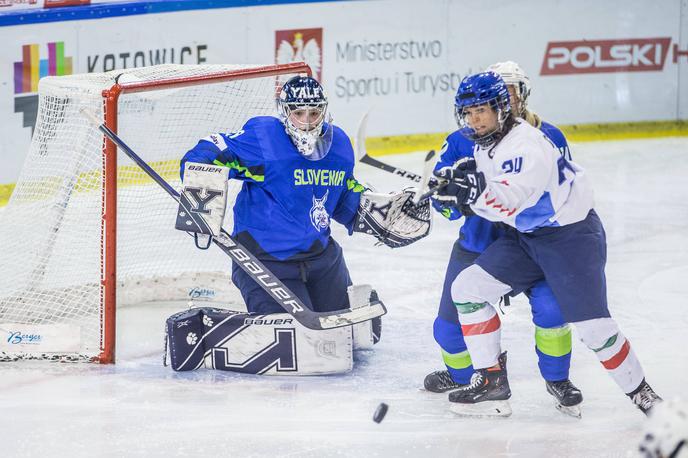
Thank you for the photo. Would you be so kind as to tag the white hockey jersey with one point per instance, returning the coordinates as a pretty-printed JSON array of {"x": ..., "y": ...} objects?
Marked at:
[{"x": 529, "y": 184}]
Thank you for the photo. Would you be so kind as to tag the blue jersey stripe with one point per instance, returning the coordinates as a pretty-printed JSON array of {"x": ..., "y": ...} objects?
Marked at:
[
  {"x": 536, "y": 216},
  {"x": 106, "y": 10}
]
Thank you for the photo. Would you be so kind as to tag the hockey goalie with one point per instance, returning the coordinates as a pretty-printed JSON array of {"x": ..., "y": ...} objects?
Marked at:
[{"x": 297, "y": 173}]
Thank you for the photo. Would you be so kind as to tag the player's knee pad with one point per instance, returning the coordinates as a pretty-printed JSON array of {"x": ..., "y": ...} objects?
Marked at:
[
  {"x": 255, "y": 344},
  {"x": 476, "y": 285},
  {"x": 367, "y": 333},
  {"x": 597, "y": 333}
]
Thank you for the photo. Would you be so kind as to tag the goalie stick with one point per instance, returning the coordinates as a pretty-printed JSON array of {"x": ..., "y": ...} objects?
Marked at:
[{"x": 252, "y": 266}]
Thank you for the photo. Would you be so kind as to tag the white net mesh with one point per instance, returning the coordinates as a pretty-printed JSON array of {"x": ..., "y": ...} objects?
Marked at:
[{"x": 51, "y": 229}]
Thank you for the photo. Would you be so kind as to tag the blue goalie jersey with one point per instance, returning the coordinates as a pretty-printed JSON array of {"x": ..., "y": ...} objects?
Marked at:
[
  {"x": 284, "y": 209},
  {"x": 477, "y": 233}
]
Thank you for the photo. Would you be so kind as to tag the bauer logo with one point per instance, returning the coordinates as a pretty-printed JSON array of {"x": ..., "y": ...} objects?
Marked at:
[
  {"x": 605, "y": 56},
  {"x": 300, "y": 45}
]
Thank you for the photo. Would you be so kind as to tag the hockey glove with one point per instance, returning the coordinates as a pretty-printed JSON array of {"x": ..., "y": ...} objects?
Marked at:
[
  {"x": 456, "y": 171},
  {"x": 393, "y": 218},
  {"x": 464, "y": 190}
]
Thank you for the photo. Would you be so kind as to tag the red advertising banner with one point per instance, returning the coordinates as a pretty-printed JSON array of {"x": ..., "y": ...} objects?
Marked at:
[
  {"x": 605, "y": 56},
  {"x": 20, "y": 4},
  {"x": 58, "y": 3}
]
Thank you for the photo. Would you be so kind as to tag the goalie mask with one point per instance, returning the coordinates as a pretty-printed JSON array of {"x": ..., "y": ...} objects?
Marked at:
[
  {"x": 488, "y": 89},
  {"x": 302, "y": 106}
]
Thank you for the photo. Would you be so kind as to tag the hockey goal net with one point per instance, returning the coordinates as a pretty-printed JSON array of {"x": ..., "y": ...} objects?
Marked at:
[{"x": 86, "y": 230}]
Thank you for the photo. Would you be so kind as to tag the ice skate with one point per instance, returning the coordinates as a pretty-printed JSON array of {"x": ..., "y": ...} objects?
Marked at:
[
  {"x": 440, "y": 382},
  {"x": 644, "y": 397},
  {"x": 487, "y": 395},
  {"x": 568, "y": 398}
]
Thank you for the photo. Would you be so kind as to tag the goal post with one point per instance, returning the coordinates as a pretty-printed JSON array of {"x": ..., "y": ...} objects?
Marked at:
[{"x": 86, "y": 231}]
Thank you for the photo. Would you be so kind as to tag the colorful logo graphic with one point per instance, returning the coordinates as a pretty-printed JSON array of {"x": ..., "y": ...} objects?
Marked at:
[
  {"x": 319, "y": 216},
  {"x": 300, "y": 45},
  {"x": 31, "y": 68}
]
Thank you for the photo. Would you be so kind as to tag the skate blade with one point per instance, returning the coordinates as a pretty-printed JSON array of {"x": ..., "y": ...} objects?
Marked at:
[
  {"x": 572, "y": 411},
  {"x": 482, "y": 409}
]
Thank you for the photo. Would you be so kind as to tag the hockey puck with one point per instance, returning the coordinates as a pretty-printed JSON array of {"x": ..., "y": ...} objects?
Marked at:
[{"x": 380, "y": 412}]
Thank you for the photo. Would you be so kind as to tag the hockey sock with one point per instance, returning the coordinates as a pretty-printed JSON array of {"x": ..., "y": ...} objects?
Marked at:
[
  {"x": 454, "y": 352},
  {"x": 553, "y": 347},
  {"x": 459, "y": 365},
  {"x": 481, "y": 329},
  {"x": 602, "y": 335}
]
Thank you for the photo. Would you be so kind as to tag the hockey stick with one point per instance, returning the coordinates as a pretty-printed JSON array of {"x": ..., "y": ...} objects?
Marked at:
[
  {"x": 362, "y": 155},
  {"x": 428, "y": 163},
  {"x": 252, "y": 266}
]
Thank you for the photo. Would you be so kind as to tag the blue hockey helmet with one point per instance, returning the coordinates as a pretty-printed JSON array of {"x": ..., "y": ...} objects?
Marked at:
[
  {"x": 302, "y": 105},
  {"x": 486, "y": 88}
]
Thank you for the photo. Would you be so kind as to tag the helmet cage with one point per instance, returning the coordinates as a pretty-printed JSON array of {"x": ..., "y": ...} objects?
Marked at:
[
  {"x": 304, "y": 135},
  {"x": 304, "y": 93},
  {"x": 482, "y": 89}
]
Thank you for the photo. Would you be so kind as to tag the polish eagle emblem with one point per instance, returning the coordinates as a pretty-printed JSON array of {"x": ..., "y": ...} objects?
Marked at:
[{"x": 300, "y": 50}]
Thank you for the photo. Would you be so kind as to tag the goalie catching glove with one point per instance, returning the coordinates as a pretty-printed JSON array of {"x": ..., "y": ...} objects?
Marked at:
[{"x": 393, "y": 218}]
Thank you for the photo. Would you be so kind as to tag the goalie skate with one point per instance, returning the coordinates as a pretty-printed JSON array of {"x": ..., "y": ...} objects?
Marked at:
[{"x": 567, "y": 397}]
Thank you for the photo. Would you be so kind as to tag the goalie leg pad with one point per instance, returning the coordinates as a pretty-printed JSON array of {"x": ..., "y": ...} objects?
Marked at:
[
  {"x": 184, "y": 334},
  {"x": 272, "y": 344},
  {"x": 367, "y": 333},
  {"x": 393, "y": 218}
]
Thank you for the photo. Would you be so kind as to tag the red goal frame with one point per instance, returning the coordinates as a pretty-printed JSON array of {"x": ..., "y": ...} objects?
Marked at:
[{"x": 111, "y": 96}]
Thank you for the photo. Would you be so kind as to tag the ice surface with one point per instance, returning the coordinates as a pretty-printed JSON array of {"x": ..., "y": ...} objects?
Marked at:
[{"x": 140, "y": 408}]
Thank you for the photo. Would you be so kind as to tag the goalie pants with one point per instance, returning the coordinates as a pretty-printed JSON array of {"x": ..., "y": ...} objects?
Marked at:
[
  {"x": 552, "y": 336},
  {"x": 320, "y": 282}
]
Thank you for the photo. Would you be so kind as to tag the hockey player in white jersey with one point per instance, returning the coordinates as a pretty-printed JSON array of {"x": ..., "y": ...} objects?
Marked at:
[
  {"x": 519, "y": 178},
  {"x": 552, "y": 334}
]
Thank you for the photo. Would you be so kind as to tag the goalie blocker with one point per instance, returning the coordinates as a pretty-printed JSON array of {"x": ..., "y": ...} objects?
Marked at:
[
  {"x": 274, "y": 344},
  {"x": 202, "y": 202}
]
